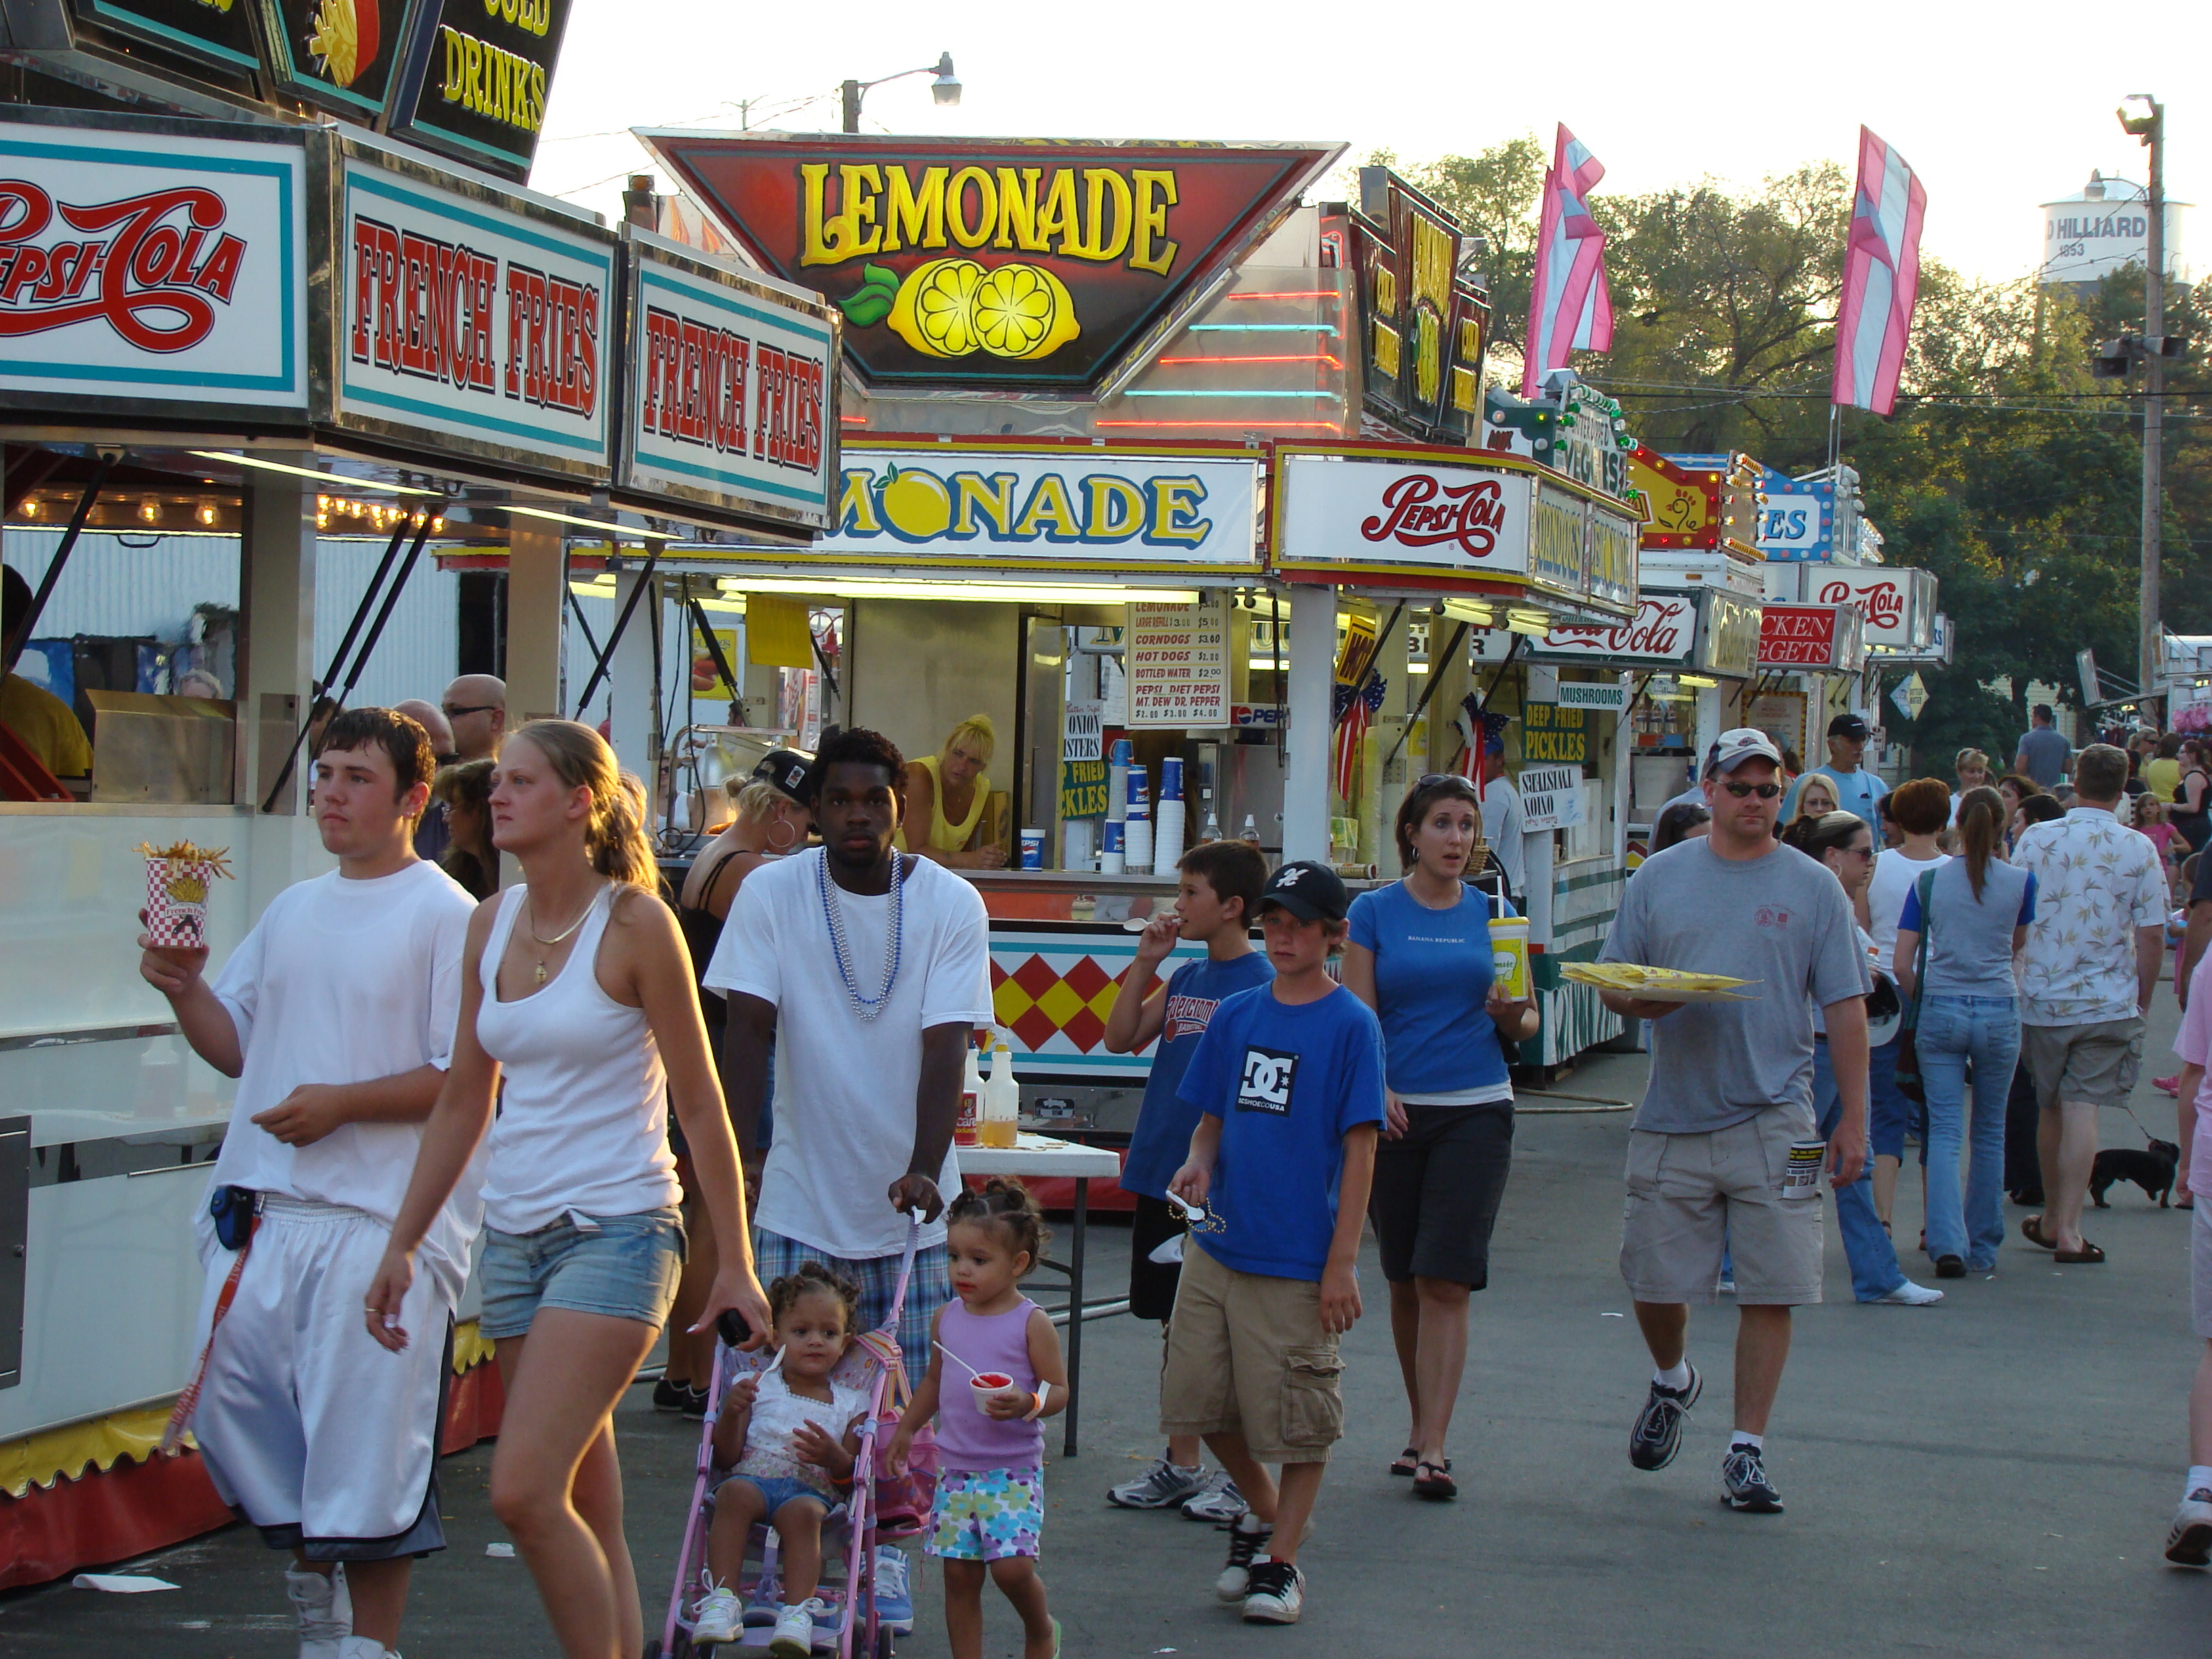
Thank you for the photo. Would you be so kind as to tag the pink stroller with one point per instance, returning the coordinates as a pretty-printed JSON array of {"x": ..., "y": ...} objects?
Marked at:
[{"x": 873, "y": 1604}]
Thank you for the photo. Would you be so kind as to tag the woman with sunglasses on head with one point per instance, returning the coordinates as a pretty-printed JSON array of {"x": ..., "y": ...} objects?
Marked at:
[
  {"x": 1843, "y": 842},
  {"x": 576, "y": 995},
  {"x": 1419, "y": 955},
  {"x": 1974, "y": 914}
]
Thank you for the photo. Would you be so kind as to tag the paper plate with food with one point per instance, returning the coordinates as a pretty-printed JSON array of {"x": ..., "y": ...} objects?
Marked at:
[{"x": 1658, "y": 984}]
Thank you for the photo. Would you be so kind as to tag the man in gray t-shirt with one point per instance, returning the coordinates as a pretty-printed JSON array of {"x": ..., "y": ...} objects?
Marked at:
[
  {"x": 2045, "y": 754},
  {"x": 1710, "y": 1161}
]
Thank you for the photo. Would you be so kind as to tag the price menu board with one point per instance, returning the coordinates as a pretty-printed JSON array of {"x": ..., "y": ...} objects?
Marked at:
[{"x": 1178, "y": 663}]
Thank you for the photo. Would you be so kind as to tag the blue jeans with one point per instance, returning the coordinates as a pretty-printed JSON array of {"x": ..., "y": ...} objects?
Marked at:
[
  {"x": 1875, "y": 1271},
  {"x": 1890, "y": 1116},
  {"x": 1953, "y": 1031}
]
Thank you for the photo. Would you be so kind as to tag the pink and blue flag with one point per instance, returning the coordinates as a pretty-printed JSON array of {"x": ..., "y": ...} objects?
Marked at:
[
  {"x": 1881, "y": 278},
  {"x": 1569, "y": 308}
]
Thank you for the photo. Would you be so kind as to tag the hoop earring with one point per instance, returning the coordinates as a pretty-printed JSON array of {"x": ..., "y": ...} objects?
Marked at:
[{"x": 775, "y": 846}]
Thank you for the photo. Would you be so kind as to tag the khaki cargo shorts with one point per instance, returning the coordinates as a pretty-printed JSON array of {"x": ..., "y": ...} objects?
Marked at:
[
  {"x": 1691, "y": 1196},
  {"x": 2094, "y": 1063},
  {"x": 1247, "y": 1356}
]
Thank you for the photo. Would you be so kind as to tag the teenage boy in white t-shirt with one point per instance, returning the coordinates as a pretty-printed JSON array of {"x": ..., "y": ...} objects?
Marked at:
[
  {"x": 336, "y": 1014},
  {"x": 867, "y": 971}
]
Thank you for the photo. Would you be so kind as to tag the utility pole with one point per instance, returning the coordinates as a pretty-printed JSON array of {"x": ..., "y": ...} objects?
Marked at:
[
  {"x": 2149, "y": 126},
  {"x": 852, "y": 96}
]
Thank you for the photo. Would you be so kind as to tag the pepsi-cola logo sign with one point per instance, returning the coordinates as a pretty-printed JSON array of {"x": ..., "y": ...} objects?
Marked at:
[
  {"x": 152, "y": 267},
  {"x": 1419, "y": 512}
]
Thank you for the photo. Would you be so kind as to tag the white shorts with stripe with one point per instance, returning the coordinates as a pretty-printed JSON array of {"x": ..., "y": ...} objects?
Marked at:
[{"x": 317, "y": 1434}]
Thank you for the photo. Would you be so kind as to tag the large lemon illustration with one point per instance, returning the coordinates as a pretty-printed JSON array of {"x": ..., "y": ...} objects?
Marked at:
[
  {"x": 955, "y": 307},
  {"x": 935, "y": 311},
  {"x": 1024, "y": 311},
  {"x": 915, "y": 504}
]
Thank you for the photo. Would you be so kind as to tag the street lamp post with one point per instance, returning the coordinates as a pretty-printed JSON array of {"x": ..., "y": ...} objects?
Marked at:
[
  {"x": 945, "y": 89},
  {"x": 2143, "y": 118}
]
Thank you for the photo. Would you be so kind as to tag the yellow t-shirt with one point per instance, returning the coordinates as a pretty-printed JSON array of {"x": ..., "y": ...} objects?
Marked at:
[
  {"x": 46, "y": 726},
  {"x": 2162, "y": 777}
]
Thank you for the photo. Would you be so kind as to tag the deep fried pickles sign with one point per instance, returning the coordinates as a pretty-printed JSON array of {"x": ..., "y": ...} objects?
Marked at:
[
  {"x": 992, "y": 264},
  {"x": 151, "y": 267}
]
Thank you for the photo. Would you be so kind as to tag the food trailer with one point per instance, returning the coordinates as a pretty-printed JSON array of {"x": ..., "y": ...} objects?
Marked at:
[{"x": 271, "y": 336}]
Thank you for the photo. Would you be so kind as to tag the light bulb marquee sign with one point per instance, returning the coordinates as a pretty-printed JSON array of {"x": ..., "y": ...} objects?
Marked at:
[
  {"x": 1425, "y": 330},
  {"x": 994, "y": 263}
]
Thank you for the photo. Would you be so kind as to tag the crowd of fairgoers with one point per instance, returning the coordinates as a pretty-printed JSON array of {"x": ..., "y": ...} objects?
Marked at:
[{"x": 734, "y": 1112}]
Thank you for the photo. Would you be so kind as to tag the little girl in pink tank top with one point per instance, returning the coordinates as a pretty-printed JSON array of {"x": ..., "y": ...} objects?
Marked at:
[{"x": 1006, "y": 1374}]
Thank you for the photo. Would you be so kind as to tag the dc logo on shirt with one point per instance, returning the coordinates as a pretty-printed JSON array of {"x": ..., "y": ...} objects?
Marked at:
[{"x": 1266, "y": 1087}]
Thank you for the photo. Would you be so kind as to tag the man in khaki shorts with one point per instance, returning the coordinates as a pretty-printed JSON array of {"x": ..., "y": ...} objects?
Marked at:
[
  {"x": 1731, "y": 1091},
  {"x": 2086, "y": 979}
]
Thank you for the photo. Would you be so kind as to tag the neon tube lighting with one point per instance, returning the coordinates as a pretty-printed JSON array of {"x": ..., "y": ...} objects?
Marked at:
[
  {"x": 308, "y": 472},
  {"x": 1263, "y": 328},
  {"x": 1307, "y": 357},
  {"x": 1288, "y": 426},
  {"x": 1302, "y": 294},
  {"x": 1228, "y": 392}
]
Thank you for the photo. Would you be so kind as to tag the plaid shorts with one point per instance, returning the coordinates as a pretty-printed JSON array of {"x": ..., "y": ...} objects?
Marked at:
[{"x": 930, "y": 1289}]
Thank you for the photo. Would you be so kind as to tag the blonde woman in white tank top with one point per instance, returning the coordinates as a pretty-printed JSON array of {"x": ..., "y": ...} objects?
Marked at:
[{"x": 578, "y": 986}]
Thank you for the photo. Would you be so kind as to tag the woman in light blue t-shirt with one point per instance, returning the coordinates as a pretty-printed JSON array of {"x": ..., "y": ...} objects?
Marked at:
[
  {"x": 1974, "y": 911},
  {"x": 1419, "y": 955}
]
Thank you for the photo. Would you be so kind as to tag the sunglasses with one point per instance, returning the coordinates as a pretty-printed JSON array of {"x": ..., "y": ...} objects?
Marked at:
[
  {"x": 454, "y": 711},
  {"x": 1763, "y": 790}
]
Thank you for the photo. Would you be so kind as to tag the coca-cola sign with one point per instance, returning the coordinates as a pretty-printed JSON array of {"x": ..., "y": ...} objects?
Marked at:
[
  {"x": 1662, "y": 630},
  {"x": 146, "y": 266},
  {"x": 1419, "y": 514}
]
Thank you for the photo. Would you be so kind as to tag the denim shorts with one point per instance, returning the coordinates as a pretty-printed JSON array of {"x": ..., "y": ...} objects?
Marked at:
[
  {"x": 776, "y": 1491},
  {"x": 623, "y": 1266}
]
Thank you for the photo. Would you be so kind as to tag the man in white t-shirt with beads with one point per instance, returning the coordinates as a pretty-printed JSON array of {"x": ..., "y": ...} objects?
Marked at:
[
  {"x": 336, "y": 1014},
  {"x": 867, "y": 972}
]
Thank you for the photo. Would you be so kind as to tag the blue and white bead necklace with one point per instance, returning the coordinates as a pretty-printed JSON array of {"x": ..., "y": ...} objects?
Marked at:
[{"x": 868, "y": 1008}]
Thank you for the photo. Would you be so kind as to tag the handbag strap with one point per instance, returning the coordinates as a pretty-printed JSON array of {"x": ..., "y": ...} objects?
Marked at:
[{"x": 1925, "y": 887}]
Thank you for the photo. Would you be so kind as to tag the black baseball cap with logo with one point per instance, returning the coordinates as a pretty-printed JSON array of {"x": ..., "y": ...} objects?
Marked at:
[
  {"x": 1853, "y": 726},
  {"x": 1308, "y": 890},
  {"x": 786, "y": 770}
]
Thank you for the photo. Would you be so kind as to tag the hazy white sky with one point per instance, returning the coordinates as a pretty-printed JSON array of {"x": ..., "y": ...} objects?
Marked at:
[{"x": 1997, "y": 107}]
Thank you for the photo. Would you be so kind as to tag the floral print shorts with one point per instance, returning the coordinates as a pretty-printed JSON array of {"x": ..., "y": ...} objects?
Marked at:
[{"x": 985, "y": 1515}]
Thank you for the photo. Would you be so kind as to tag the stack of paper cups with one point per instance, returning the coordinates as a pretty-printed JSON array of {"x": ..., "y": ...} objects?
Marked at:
[
  {"x": 1117, "y": 780},
  {"x": 1111, "y": 856},
  {"x": 1170, "y": 778},
  {"x": 1138, "y": 832},
  {"x": 1167, "y": 835}
]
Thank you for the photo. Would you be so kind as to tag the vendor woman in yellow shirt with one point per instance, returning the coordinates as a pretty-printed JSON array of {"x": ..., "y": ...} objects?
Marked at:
[{"x": 946, "y": 796}]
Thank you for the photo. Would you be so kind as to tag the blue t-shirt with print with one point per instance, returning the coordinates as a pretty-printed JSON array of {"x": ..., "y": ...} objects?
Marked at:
[
  {"x": 1165, "y": 1126},
  {"x": 1433, "y": 975},
  {"x": 1288, "y": 1081}
]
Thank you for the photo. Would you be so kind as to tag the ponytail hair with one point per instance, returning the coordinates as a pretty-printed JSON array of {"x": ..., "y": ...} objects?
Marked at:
[
  {"x": 1008, "y": 1209},
  {"x": 614, "y": 833},
  {"x": 1981, "y": 832}
]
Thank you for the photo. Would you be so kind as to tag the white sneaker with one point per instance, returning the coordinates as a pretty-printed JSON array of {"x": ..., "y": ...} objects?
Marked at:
[
  {"x": 2189, "y": 1539},
  {"x": 1278, "y": 1594},
  {"x": 1247, "y": 1538},
  {"x": 1219, "y": 1504},
  {"x": 323, "y": 1608},
  {"x": 1163, "y": 1486},
  {"x": 720, "y": 1618},
  {"x": 1910, "y": 1295},
  {"x": 364, "y": 1647},
  {"x": 794, "y": 1629}
]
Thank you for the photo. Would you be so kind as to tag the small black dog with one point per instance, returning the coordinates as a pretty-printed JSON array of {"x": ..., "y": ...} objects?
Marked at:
[{"x": 2150, "y": 1168}]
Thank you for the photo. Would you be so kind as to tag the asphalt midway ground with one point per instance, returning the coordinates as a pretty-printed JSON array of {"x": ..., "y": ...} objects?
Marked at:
[{"x": 1992, "y": 1476}]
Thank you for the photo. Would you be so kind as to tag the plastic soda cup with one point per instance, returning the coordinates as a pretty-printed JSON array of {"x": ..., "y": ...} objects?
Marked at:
[{"x": 1508, "y": 956}]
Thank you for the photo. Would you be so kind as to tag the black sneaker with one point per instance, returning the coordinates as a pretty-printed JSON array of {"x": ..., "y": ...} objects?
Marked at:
[
  {"x": 1743, "y": 1478},
  {"x": 1657, "y": 1435},
  {"x": 1248, "y": 1535},
  {"x": 694, "y": 1403},
  {"x": 669, "y": 1396},
  {"x": 1950, "y": 1267}
]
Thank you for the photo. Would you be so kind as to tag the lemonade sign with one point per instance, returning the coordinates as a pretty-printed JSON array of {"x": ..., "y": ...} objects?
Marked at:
[
  {"x": 1077, "y": 507},
  {"x": 1002, "y": 264}
]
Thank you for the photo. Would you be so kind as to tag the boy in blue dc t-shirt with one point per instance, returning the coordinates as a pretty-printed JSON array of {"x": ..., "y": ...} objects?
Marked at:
[
  {"x": 1219, "y": 888},
  {"x": 1289, "y": 1080}
]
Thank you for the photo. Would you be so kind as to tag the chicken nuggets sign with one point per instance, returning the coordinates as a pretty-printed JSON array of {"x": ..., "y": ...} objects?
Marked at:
[
  {"x": 1016, "y": 266},
  {"x": 464, "y": 319}
]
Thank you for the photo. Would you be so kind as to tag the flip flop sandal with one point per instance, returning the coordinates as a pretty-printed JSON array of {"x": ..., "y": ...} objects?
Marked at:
[
  {"x": 1433, "y": 1480},
  {"x": 2088, "y": 1255},
  {"x": 1407, "y": 1462},
  {"x": 2031, "y": 1229}
]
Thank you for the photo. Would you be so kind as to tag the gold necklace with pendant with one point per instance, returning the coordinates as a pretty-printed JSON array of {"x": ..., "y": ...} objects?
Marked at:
[{"x": 530, "y": 921}]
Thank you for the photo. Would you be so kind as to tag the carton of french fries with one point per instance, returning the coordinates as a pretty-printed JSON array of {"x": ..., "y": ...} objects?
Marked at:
[{"x": 178, "y": 877}]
